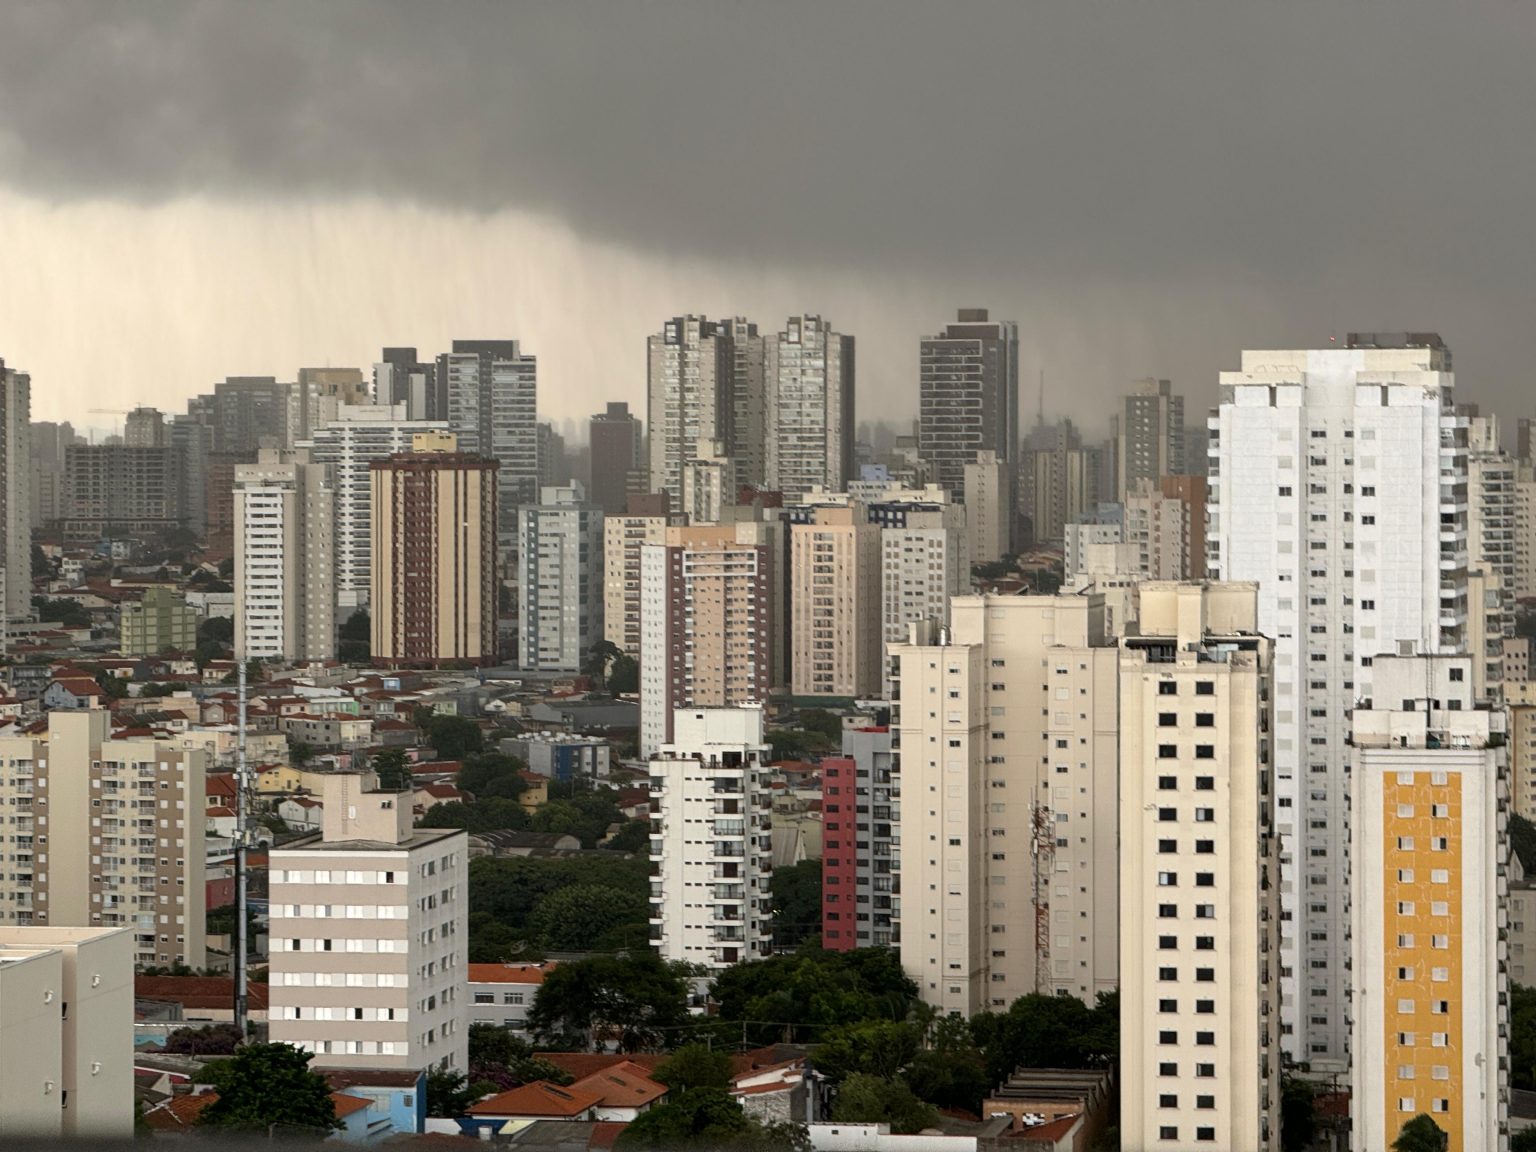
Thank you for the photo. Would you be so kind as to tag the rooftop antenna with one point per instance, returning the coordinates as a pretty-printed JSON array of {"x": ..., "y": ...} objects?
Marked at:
[{"x": 242, "y": 833}]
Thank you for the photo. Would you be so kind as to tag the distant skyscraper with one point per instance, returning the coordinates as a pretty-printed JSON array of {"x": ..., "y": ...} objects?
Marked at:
[
  {"x": 400, "y": 378},
  {"x": 191, "y": 441},
  {"x": 614, "y": 438},
  {"x": 988, "y": 508},
  {"x": 492, "y": 393},
  {"x": 16, "y": 499},
  {"x": 1150, "y": 436},
  {"x": 748, "y": 442},
  {"x": 968, "y": 396},
  {"x": 122, "y": 489},
  {"x": 808, "y": 412},
  {"x": 48, "y": 492},
  {"x": 253, "y": 412},
  {"x": 559, "y": 580},
  {"x": 1060, "y": 479},
  {"x": 285, "y": 592},
  {"x": 1338, "y": 482},
  {"x": 144, "y": 428},
  {"x": 320, "y": 393},
  {"x": 835, "y": 604},
  {"x": 350, "y": 443},
  {"x": 434, "y": 595},
  {"x": 691, "y": 396}
]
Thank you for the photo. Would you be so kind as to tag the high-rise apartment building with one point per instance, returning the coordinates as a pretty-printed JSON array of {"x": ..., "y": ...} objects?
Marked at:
[
  {"x": 691, "y": 396},
  {"x": 249, "y": 413},
  {"x": 122, "y": 489},
  {"x": 321, "y": 393},
  {"x": 711, "y": 484},
  {"x": 1430, "y": 845},
  {"x": 614, "y": 440},
  {"x": 834, "y": 572},
  {"x": 191, "y": 443},
  {"x": 1006, "y": 727},
  {"x": 559, "y": 580},
  {"x": 1059, "y": 479},
  {"x": 922, "y": 566},
  {"x": 1149, "y": 437},
  {"x": 1160, "y": 532},
  {"x": 370, "y": 936},
  {"x": 66, "y": 1003},
  {"x": 400, "y": 377},
  {"x": 1525, "y": 530},
  {"x": 623, "y": 537},
  {"x": 434, "y": 592},
  {"x": 48, "y": 492},
  {"x": 968, "y": 396},
  {"x": 144, "y": 428},
  {"x": 285, "y": 592},
  {"x": 106, "y": 833},
  {"x": 707, "y": 618},
  {"x": 1491, "y": 494},
  {"x": 16, "y": 499},
  {"x": 861, "y": 821},
  {"x": 711, "y": 844},
  {"x": 491, "y": 392},
  {"x": 808, "y": 370},
  {"x": 747, "y": 445},
  {"x": 1339, "y": 484},
  {"x": 349, "y": 444},
  {"x": 1199, "y": 875},
  {"x": 988, "y": 493}
]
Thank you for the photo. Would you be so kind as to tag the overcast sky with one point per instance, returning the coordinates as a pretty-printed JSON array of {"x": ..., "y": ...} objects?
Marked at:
[{"x": 189, "y": 191}]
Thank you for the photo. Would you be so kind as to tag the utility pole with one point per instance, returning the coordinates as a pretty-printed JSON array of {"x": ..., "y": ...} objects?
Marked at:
[{"x": 242, "y": 838}]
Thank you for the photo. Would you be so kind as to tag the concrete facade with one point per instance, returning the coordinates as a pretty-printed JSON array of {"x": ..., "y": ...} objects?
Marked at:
[
  {"x": 285, "y": 592},
  {"x": 559, "y": 580}
]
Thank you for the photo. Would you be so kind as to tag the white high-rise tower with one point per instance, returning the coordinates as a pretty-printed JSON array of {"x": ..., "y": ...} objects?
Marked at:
[{"x": 1338, "y": 483}]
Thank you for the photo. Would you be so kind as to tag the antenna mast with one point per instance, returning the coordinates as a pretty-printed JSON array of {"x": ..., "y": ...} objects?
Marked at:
[{"x": 242, "y": 838}]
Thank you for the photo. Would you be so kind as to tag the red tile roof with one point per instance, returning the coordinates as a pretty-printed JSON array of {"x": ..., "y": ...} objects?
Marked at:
[
  {"x": 540, "y": 1098},
  {"x": 508, "y": 973},
  {"x": 196, "y": 991},
  {"x": 178, "y": 1112},
  {"x": 346, "y": 1105},
  {"x": 624, "y": 1085},
  {"x": 580, "y": 1065},
  {"x": 605, "y": 1134}
]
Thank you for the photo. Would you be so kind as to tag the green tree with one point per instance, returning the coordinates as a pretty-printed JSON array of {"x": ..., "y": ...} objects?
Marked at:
[
  {"x": 267, "y": 1084},
  {"x": 827, "y": 725},
  {"x": 634, "y": 836},
  {"x": 453, "y": 737},
  {"x": 41, "y": 565},
  {"x": 584, "y": 917},
  {"x": 1522, "y": 1036},
  {"x": 624, "y": 675},
  {"x": 153, "y": 691},
  {"x": 496, "y": 814},
  {"x": 448, "y": 1093},
  {"x": 393, "y": 768},
  {"x": 1522, "y": 838},
  {"x": 1421, "y": 1134},
  {"x": 800, "y": 995},
  {"x": 637, "y": 999},
  {"x": 697, "y": 1118},
  {"x": 219, "y": 629},
  {"x": 601, "y": 655},
  {"x": 1298, "y": 1114},
  {"x": 485, "y": 774},
  {"x": 1047, "y": 1032},
  {"x": 300, "y": 752},
  {"x": 950, "y": 1071},
  {"x": 1523, "y": 1141},
  {"x": 695, "y": 1066},
  {"x": 866, "y": 1099},
  {"x": 796, "y": 744},
  {"x": 113, "y": 687},
  {"x": 796, "y": 890},
  {"x": 62, "y": 610},
  {"x": 874, "y": 1047},
  {"x": 209, "y": 1040},
  {"x": 356, "y": 639}
]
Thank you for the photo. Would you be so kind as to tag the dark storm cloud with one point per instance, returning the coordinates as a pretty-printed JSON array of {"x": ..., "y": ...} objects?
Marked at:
[{"x": 1346, "y": 164}]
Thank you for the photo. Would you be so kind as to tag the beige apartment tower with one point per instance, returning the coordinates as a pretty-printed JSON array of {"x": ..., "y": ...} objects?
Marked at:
[
  {"x": 433, "y": 598},
  {"x": 369, "y": 963},
  {"x": 1199, "y": 875},
  {"x": 623, "y": 538},
  {"x": 834, "y": 572},
  {"x": 285, "y": 583},
  {"x": 105, "y": 833},
  {"x": 66, "y": 1011},
  {"x": 1007, "y": 724}
]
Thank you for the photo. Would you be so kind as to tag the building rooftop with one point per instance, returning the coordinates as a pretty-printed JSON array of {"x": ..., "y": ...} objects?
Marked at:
[
  {"x": 315, "y": 842},
  {"x": 540, "y": 1098},
  {"x": 528, "y": 973}
]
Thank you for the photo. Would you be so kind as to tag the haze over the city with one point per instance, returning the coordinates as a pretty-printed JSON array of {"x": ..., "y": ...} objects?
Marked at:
[{"x": 189, "y": 191}]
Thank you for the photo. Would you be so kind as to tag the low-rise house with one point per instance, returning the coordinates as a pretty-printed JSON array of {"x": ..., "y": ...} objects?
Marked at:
[
  {"x": 73, "y": 693},
  {"x": 507, "y": 1112},
  {"x": 429, "y": 796},
  {"x": 502, "y": 994},
  {"x": 623, "y": 1092},
  {"x": 397, "y": 1097},
  {"x": 301, "y": 813},
  {"x": 788, "y": 1092}
]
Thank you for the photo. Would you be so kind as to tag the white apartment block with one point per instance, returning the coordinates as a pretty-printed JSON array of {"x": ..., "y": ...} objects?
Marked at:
[
  {"x": 1430, "y": 846},
  {"x": 1006, "y": 728},
  {"x": 834, "y": 573},
  {"x": 66, "y": 1010},
  {"x": 1199, "y": 875},
  {"x": 1525, "y": 531},
  {"x": 1079, "y": 536},
  {"x": 285, "y": 597},
  {"x": 623, "y": 537},
  {"x": 922, "y": 566},
  {"x": 559, "y": 580},
  {"x": 369, "y": 936},
  {"x": 711, "y": 843},
  {"x": 358, "y": 435},
  {"x": 105, "y": 833},
  {"x": 1338, "y": 483},
  {"x": 492, "y": 393},
  {"x": 988, "y": 498},
  {"x": 808, "y": 374}
]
